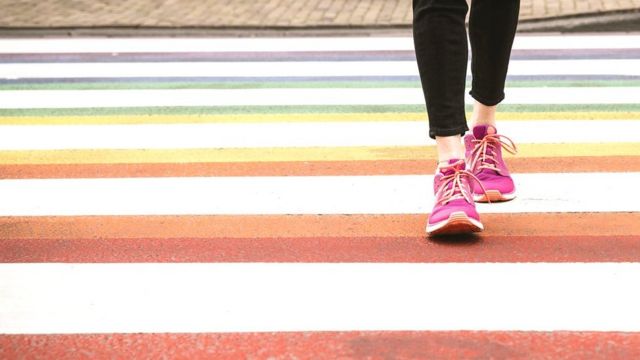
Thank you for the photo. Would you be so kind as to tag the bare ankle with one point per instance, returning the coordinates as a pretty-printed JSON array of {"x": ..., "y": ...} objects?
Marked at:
[
  {"x": 449, "y": 147},
  {"x": 483, "y": 114}
]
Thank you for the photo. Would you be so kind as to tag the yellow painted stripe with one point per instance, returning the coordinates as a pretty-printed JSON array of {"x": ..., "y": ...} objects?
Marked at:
[
  {"x": 303, "y": 117},
  {"x": 291, "y": 154}
]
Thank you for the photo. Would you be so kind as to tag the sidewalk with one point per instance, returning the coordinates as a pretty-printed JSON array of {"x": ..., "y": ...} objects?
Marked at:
[{"x": 238, "y": 14}]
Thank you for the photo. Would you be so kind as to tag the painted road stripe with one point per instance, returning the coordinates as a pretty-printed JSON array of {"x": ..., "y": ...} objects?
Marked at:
[
  {"x": 391, "y": 194},
  {"x": 251, "y": 155},
  {"x": 568, "y": 164},
  {"x": 623, "y": 248},
  {"x": 256, "y": 83},
  {"x": 398, "y": 55},
  {"x": 298, "y": 68},
  {"x": 266, "y": 44},
  {"x": 333, "y": 345},
  {"x": 88, "y": 298},
  {"x": 217, "y": 82},
  {"x": 12, "y": 99},
  {"x": 621, "y": 111},
  {"x": 528, "y": 237},
  {"x": 311, "y": 134},
  {"x": 265, "y": 227},
  {"x": 302, "y": 117}
]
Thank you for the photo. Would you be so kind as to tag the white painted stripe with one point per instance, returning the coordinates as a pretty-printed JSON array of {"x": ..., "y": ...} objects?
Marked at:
[
  {"x": 117, "y": 45},
  {"x": 171, "y": 45},
  {"x": 197, "y": 69},
  {"x": 571, "y": 131},
  {"x": 572, "y": 67},
  {"x": 32, "y": 99},
  {"x": 577, "y": 41},
  {"x": 391, "y": 194},
  {"x": 159, "y": 298},
  {"x": 325, "y": 134},
  {"x": 302, "y": 68}
]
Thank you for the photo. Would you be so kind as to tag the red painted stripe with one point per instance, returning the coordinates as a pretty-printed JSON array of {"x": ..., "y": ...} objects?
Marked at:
[
  {"x": 595, "y": 237},
  {"x": 327, "y": 249},
  {"x": 328, "y": 345},
  {"x": 306, "y": 168}
]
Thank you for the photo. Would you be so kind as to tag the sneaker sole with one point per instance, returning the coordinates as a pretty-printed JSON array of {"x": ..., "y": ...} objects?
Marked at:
[
  {"x": 493, "y": 196},
  {"x": 457, "y": 223}
]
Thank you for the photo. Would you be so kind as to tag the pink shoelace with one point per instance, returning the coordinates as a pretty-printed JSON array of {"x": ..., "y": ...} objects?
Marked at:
[
  {"x": 446, "y": 194},
  {"x": 484, "y": 151}
]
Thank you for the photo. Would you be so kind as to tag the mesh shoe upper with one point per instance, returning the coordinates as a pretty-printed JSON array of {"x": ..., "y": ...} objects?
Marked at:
[
  {"x": 484, "y": 156},
  {"x": 452, "y": 191}
]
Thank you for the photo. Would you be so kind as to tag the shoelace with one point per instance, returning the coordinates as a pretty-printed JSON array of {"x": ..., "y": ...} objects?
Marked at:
[
  {"x": 484, "y": 150},
  {"x": 444, "y": 195}
]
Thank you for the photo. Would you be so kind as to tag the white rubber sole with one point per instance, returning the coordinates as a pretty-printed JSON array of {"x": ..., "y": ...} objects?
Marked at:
[
  {"x": 493, "y": 196},
  {"x": 457, "y": 223}
]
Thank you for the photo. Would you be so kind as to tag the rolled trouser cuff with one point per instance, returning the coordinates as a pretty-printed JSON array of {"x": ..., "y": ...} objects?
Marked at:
[
  {"x": 459, "y": 130},
  {"x": 487, "y": 100}
]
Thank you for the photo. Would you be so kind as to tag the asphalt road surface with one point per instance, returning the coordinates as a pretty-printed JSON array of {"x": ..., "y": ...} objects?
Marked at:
[{"x": 267, "y": 198}]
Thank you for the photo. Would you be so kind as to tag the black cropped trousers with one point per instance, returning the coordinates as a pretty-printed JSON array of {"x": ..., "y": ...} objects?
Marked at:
[{"x": 440, "y": 39}]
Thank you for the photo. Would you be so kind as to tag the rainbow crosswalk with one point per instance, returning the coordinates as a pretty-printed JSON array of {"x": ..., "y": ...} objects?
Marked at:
[{"x": 188, "y": 197}]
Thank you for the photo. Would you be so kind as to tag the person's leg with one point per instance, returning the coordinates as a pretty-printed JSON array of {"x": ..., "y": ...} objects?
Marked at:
[
  {"x": 492, "y": 29},
  {"x": 440, "y": 39},
  {"x": 441, "y": 47}
]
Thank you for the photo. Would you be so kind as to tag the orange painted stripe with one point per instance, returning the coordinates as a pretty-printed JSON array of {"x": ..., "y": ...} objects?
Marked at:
[
  {"x": 330, "y": 345},
  {"x": 306, "y": 168},
  {"x": 305, "y": 226},
  {"x": 589, "y": 237}
]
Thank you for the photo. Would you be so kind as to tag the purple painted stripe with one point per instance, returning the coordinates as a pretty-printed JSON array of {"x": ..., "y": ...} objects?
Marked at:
[
  {"x": 528, "y": 54},
  {"x": 204, "y": 80}
]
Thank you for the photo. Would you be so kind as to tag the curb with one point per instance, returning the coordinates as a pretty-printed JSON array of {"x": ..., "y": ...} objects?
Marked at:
[{"x": 603, "y": 21}]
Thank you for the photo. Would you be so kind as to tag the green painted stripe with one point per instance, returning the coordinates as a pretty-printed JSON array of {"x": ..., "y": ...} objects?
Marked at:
[
  {"x": 305, "y": 109},
  {"x": 294, "y": 85}
]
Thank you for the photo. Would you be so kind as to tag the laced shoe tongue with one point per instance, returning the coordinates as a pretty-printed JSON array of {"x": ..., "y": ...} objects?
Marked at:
[
  {"x": 453, "y": 166},
  {"x": 449, "y": 170},
  {"x": 480, "y": 131}
]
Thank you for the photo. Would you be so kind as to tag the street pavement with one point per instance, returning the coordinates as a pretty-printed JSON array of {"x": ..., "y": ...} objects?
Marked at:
[
  {"x": 267, "y": 198},
  {"x": 261, "y": 14}
]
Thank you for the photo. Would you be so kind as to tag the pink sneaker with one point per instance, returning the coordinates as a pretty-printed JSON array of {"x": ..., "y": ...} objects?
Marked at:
[
  {"x": 454, "y": 210},
  {"x": 484, "y": 157}
]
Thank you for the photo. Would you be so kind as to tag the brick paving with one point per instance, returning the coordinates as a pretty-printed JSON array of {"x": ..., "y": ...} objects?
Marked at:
[{"x": 252, "y": 13}]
